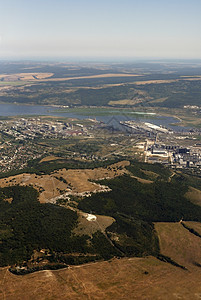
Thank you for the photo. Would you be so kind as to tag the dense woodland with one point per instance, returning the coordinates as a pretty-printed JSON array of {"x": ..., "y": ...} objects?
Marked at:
[
  {"x": 160, "y": 202},
  {"x": 27, "y": 225}
]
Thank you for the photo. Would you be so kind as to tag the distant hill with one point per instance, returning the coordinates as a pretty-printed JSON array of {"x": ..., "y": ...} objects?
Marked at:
[{"x": 130, "y": 85}]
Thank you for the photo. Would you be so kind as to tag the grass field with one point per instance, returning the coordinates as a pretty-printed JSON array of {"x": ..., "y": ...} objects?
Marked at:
[
  {"x": 133, "y": 278},
  {"x": 61, "y": 181},
  {"x": 127, "y": 278},
  {"x": 194, "y": 225},
  {"x": 179, "y": 244},
  {"x": 87, "y": 227},
  {"x": 103, "y": 111},
  {"x": 194, "y": 195}
]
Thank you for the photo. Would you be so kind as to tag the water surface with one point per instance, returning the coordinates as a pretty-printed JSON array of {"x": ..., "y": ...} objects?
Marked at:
[{"x": 110, "y": 119}]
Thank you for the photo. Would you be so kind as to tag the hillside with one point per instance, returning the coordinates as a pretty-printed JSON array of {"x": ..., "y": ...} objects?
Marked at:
[
  {"x": 138, "y": 237},
  {"x": 177, "y": 243},
  {"x": 128, "y": 204},
  {"x": 127, "y": 278}
]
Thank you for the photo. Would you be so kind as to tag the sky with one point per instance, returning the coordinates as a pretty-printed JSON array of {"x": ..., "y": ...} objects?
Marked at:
[{"x": 100, "y": 28}]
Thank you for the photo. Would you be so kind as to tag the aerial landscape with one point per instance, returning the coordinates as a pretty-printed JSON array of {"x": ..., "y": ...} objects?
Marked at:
[{"x": 100, "y": 151}]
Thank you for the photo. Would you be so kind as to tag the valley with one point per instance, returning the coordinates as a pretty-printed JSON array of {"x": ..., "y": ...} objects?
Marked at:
[{"x": 100, "y": 181}]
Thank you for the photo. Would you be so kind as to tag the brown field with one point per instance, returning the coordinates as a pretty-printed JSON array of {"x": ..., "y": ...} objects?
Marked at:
[
  {"x": 194, "y": 195},
  {"x": 50, "y": 186},
  {"x": 46, "y": 77},
  {"x": 25, "y": 76},
  {"x": 150, "y": 173},
  {"x": 141, "y": 180},
  {"x": 92, "y": 76},
  {"x": 179, "y": 244},
  {"x": 156, "y": 81},
  {"x": 127, "y": 278},
  {"x": 49, "y": 158},
  {"x": 4, "y": 88},
  {"x": 160, "y": 100},
  {"x": 125, "y": 102},
  {"x": 191, "y": 78}
]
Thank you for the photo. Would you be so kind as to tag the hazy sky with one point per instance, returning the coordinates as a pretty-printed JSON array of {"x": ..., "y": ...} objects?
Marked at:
[{"x": 100, "y": 28}]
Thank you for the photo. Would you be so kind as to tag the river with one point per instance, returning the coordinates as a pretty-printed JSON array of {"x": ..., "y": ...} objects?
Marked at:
[{"x": 7, "y": 110}]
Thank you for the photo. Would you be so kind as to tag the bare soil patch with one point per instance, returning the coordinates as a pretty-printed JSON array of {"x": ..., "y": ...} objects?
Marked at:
[{"x": 9, "y": 200}]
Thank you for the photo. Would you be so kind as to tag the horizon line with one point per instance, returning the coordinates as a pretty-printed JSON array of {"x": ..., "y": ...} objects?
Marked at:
[{"x": 96, "y": 59}]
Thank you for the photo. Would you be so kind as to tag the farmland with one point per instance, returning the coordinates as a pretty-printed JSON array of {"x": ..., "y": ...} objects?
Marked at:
[{"x": 121, "y": 85}]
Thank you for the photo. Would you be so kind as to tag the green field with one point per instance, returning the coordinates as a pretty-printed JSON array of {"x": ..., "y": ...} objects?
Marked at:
[{"x": 100, "y": 111}]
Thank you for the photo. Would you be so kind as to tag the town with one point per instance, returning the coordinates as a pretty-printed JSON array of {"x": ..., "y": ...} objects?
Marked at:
[{"x": 26, "y": 139}]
